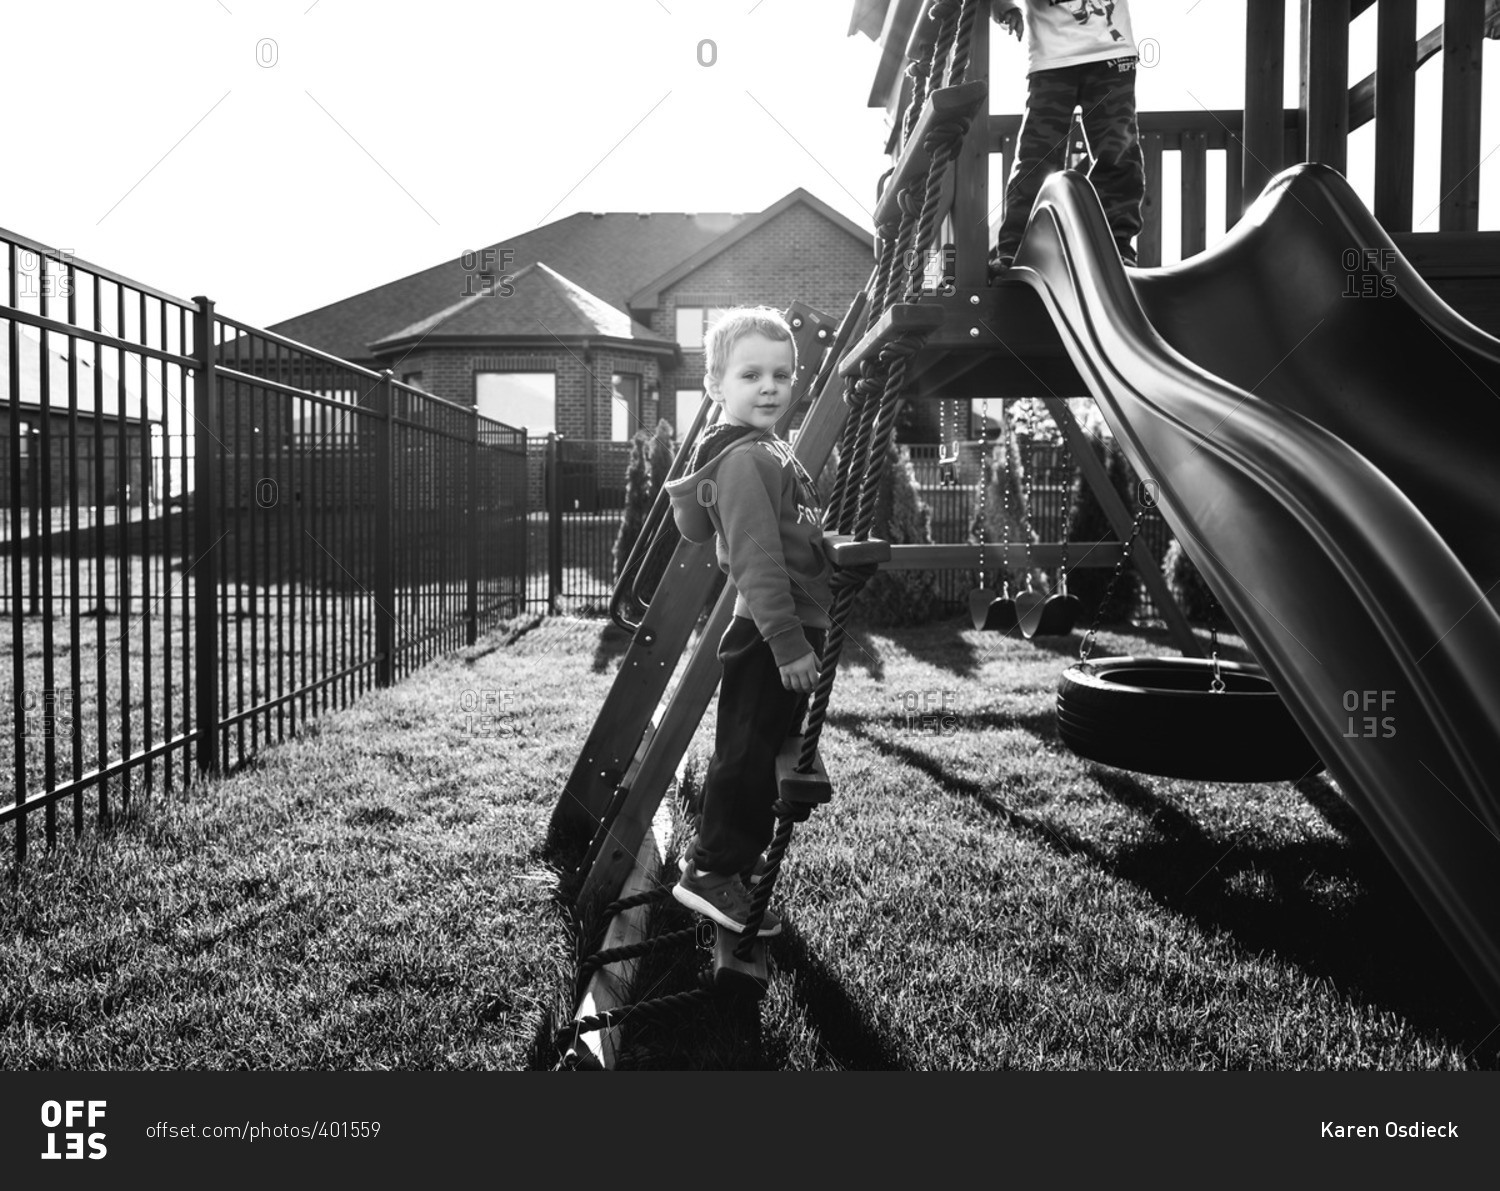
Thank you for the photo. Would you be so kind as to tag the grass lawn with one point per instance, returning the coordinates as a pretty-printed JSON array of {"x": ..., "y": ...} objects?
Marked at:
[{"x": 377, "y": 894}]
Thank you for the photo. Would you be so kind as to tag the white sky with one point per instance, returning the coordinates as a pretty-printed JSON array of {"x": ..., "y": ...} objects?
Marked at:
[{"x": 146, "y": 138}]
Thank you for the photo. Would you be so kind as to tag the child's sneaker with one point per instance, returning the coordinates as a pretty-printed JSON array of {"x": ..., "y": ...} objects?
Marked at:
[
  {"x": 723, "y": 898},
  {"x": 751, "y": 876}
]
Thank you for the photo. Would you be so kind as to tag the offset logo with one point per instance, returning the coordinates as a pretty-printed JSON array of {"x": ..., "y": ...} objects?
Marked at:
[{"x": 69, "y": 1113}]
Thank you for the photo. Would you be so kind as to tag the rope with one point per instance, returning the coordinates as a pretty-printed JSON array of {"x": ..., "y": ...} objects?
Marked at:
[
  {"x": 643, "y": 1011},
  {"x": 614, "y": 955},
  {"x": 959, "y": 67},
  {"x": 787, "y": 814}
]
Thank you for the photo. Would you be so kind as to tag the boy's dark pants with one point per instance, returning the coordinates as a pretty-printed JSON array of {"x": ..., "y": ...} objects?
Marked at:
[
  {"x": 756, "y": 714},
  {"x": 1107, "y": 96}
]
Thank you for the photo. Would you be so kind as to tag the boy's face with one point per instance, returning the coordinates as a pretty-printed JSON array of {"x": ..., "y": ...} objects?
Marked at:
[{"x": 757, "y": 383}]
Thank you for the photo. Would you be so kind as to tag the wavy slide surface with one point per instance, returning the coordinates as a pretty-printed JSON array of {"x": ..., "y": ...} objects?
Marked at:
[{"x": 1325, "y": 435}]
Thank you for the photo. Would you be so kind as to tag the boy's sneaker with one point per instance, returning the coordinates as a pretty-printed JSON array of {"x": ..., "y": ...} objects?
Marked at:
[
  {"x": 1127, "y": 256},
  {"x": 723, "y": 898},
  {"x": 998, "y": 263},
  {"x": 751, "y": 876}
]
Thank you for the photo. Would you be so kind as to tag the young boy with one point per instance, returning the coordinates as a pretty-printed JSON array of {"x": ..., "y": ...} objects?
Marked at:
[
  {"x": 1080, "y": 53},
  {"x": 745, "y": 489}
]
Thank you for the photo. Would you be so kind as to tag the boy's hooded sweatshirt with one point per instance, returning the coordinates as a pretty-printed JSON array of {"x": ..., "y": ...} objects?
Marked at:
[{"x": 763, "y": 509}]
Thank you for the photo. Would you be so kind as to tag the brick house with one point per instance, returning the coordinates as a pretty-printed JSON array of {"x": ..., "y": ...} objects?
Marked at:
[{"x": 592, "y": 326}]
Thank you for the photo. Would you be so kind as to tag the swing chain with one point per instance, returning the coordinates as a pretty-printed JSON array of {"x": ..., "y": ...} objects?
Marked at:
[
  {"x": 1067, "y": 532},
  {"x": 1005, "y": 510},
  {"x": 984, "y": 479},
  {"x": 1088, "y": 638},
  {"x": 1217, "y": 685}
]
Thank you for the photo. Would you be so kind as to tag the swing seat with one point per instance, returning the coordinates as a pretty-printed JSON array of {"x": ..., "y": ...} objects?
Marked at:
[
  {"x": 1030, "y": 605},
  {"x": 1059, "y": 615},
  {"x": 991, "y": 614}
]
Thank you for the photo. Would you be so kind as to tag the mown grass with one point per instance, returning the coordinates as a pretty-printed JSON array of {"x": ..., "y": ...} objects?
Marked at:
[{"x": 377, "y": 894}]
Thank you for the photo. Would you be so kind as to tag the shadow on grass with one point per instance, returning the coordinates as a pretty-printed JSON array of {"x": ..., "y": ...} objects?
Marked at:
[
  {"x": 848, "y": 1036},
  {"x": 1368, "y": 936},
  {"x": 613, "y": 642}
]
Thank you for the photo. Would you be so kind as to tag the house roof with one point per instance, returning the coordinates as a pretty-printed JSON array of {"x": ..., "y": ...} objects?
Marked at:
[
  {"x": 29, "y": 395},
  {"x": 541, "y": 302},
  {"x": 649, "y": 295},
  {"x": 595, "y": 260},
  {"x": 606, "y": 255}
]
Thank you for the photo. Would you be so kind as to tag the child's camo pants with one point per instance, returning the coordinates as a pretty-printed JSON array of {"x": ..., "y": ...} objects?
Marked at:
[
  {"x": 756, "y": 714},
  {"x": 1106, "y": 93}
]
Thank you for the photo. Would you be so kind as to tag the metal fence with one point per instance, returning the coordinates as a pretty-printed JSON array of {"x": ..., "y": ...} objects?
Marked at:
[
  {"x": 577, "y": 503},
  {"x": 214, "y": 534}
]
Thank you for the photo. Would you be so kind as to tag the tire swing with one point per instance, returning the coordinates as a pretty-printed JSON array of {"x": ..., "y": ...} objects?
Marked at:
[{"x": 1192, "y": 718}]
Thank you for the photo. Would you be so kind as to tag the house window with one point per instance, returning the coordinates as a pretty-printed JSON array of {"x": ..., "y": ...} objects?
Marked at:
[
  {"x": 326, "y": 423},
  {"x": 526, "y": 399},
  {"x": 687, "y": 408},
  {"x": 693, "y": 323},
  {"x": 624, "y": 405}
]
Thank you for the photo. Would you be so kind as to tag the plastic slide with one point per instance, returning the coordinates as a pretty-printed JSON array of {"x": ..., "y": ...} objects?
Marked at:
[{"x": 1323, "y": 435}]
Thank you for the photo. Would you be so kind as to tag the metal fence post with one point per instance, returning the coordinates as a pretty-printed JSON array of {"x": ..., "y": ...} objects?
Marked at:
[
  {"x": 472, "y": 537},
  {"x": 205, "y": 561},
  {"x": 554, "y": 524},
  {"x": 385, "y": 495}
]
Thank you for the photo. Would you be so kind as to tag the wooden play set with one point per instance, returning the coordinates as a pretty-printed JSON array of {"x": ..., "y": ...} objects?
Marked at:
[{"x": 1070, "y": 321}]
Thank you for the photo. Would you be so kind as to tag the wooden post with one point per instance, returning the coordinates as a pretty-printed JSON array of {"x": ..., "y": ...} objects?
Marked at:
[
  {"x": 1148, "y": 244},
  {"x": 1234, "y": 180},
  {"x": 1395, "y": 111},
  {"x": 971, "y": 199},
  {"x": 206, "y": 518},
  {"x": 1463, "y": 62},
  {"x": 1194, "y": 193},
  {"x": 1265, "y": 29},
  {"x": 611, "y": 985},
  {"x": 1324, "y": 93}
]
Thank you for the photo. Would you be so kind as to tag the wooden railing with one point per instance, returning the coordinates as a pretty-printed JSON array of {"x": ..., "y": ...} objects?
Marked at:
[
  {"x": 1263, "y": 138},
  {"x": 1193, "y": 135}
]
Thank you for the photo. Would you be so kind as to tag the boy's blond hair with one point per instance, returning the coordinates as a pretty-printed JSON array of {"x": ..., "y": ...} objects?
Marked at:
[{"x": 734, "y": 325}]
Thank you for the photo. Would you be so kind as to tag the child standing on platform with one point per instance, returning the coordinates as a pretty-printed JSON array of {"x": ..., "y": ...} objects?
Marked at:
[
  {"x": 745, "y": 489},
  {"x": 1081, "y": 53}
]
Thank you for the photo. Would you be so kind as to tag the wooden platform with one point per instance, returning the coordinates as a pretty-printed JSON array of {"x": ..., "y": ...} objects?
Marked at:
[{"x": 996, "y": 341}]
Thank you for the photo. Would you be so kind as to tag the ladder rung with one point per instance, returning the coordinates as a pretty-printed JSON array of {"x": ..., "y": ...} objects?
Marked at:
[
  {"x": 731, "y": 973},
  {"x": 944, "y": 103},
  {"x": 897, "y": 319},
  {"x": 806, "y": 788},
  {"x": 844, "y": 551}
]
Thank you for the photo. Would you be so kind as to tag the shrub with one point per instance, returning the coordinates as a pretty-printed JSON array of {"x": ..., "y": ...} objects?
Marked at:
[
  {"x": 1193, "y": 595},
  {"x": 1004, "y": 482},
  {"x": 1088, "y": 523},
  {"x": 901, "y": 516},
  {"x": 637, "y": 500},
  {"x": 662, "y": 450}
]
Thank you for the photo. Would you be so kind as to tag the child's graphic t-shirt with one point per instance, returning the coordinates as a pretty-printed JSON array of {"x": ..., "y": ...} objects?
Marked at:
[{"x": 1072, "y": 32}]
